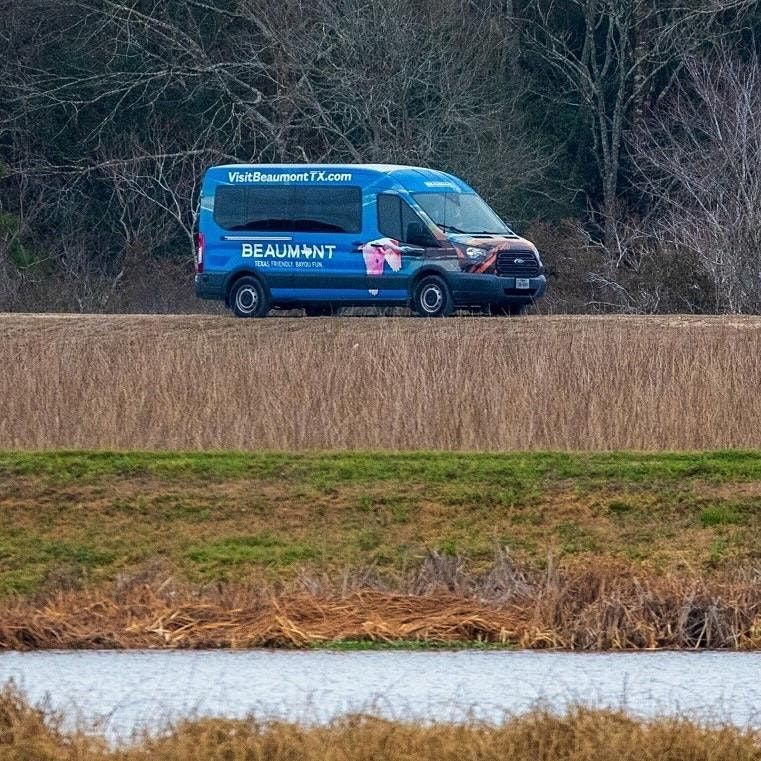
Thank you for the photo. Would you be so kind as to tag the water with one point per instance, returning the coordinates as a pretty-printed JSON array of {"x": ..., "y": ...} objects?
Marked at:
[{"x": 121, "y": 692}]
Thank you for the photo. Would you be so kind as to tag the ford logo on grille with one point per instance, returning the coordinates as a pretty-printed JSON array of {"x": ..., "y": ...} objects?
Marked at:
[{"x": 519, "y": 261}]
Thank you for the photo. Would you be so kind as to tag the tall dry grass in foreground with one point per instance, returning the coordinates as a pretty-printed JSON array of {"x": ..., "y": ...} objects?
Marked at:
[
  {"x": 27, "y": 733},
  {"x": 597, "y": 606},
  {"x": 467, "y": 383}
]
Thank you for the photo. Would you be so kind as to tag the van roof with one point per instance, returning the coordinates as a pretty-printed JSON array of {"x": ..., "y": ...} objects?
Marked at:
[
  {"x": 382, "y": 168},
  {"x": 420, "y": 177}
]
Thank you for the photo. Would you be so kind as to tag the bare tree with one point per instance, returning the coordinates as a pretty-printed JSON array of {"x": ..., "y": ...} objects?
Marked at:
[
  {"x": 699, "y": 159},
  {"x": 627, "y": 52},
  {"x": 356, "y": 73}
]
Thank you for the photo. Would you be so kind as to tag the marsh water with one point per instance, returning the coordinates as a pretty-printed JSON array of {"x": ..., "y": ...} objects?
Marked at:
[{"x": 122, "y": 692}]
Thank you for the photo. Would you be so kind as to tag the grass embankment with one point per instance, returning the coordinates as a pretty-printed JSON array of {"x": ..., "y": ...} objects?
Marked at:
[
  {"x": 189, "y": 550},
  {"x": 554, "y": 383},
  {"x": 582, "y": 735}
]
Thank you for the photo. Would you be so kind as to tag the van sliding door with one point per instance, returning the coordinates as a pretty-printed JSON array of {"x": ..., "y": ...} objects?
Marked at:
[{"x": 327, "y": 223}]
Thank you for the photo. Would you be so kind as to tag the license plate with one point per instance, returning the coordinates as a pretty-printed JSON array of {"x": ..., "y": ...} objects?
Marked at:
[{"x": 522, "y": 282}]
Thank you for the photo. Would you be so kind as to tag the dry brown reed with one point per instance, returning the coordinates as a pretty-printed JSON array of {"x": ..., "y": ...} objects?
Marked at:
[
  {"x": 581, "y": 735},
  {"x": 596, "y": 606},
  {"x": 562, "y": 383}
]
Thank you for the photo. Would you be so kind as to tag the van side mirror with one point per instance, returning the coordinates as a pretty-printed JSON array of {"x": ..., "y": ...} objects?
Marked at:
[{"x": 419, "y": 235}]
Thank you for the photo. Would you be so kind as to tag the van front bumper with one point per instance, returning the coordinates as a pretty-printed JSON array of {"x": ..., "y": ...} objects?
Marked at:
[
  {"x": 210, "y": 285},
  {"x": 479, "y": 289}
]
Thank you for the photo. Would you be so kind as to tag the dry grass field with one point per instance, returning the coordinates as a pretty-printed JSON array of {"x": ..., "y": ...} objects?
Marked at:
[
  {"x": 28, "y": 733},
  {"x": 473, "y": 383}
]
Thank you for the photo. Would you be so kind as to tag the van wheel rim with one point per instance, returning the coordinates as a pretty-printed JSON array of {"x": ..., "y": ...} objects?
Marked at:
[
  {"x": 246, "y": 299},
  {"x": 431, "y": 298}
]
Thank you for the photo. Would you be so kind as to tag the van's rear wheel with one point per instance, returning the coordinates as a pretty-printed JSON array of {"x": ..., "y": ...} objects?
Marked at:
[
  {"x": 432, "y": 298},
  {"x": 248, "y": 298}
]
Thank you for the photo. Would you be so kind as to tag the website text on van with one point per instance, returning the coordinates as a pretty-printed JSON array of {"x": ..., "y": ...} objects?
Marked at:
[{"x": 327, "y": 236}]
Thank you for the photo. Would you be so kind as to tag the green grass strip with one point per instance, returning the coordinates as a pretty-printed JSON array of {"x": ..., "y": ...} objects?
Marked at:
[{"x": 365, "y": 467}]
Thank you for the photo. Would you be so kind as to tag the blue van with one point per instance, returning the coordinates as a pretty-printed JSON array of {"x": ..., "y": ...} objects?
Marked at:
[{"x": 326, "y": 236}]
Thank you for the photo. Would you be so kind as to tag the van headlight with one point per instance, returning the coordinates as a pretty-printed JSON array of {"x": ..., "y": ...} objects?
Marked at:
[{"x": 474, "y": 253}]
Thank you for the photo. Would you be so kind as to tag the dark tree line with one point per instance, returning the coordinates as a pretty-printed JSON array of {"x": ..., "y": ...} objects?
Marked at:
[{"x": 622, "y": 135}]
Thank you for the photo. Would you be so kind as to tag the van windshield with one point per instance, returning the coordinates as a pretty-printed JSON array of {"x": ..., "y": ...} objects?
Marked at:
[{"x": 462, "y": 213}]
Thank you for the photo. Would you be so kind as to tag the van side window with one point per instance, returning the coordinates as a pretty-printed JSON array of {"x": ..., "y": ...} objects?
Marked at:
[
  {"x": 394, "y": 217},
  {"x": 310, "y": 209}
]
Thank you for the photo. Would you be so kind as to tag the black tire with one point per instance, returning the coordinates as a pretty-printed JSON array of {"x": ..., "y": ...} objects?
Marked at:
[
  {"x": 432, "y": 297},
  {"x": 248, "y": 298},
  {"x": 508, "y": 310},
  {"x": 318, "y": 310}
]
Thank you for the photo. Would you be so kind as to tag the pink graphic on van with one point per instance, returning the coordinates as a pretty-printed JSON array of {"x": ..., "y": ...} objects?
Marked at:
[{"x": 376, "y": 253}]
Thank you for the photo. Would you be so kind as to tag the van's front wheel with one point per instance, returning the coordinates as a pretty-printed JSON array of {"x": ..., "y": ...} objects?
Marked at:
[
  {"x": 248, "y": 298},
  {"x": 432, "y": 298}
]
